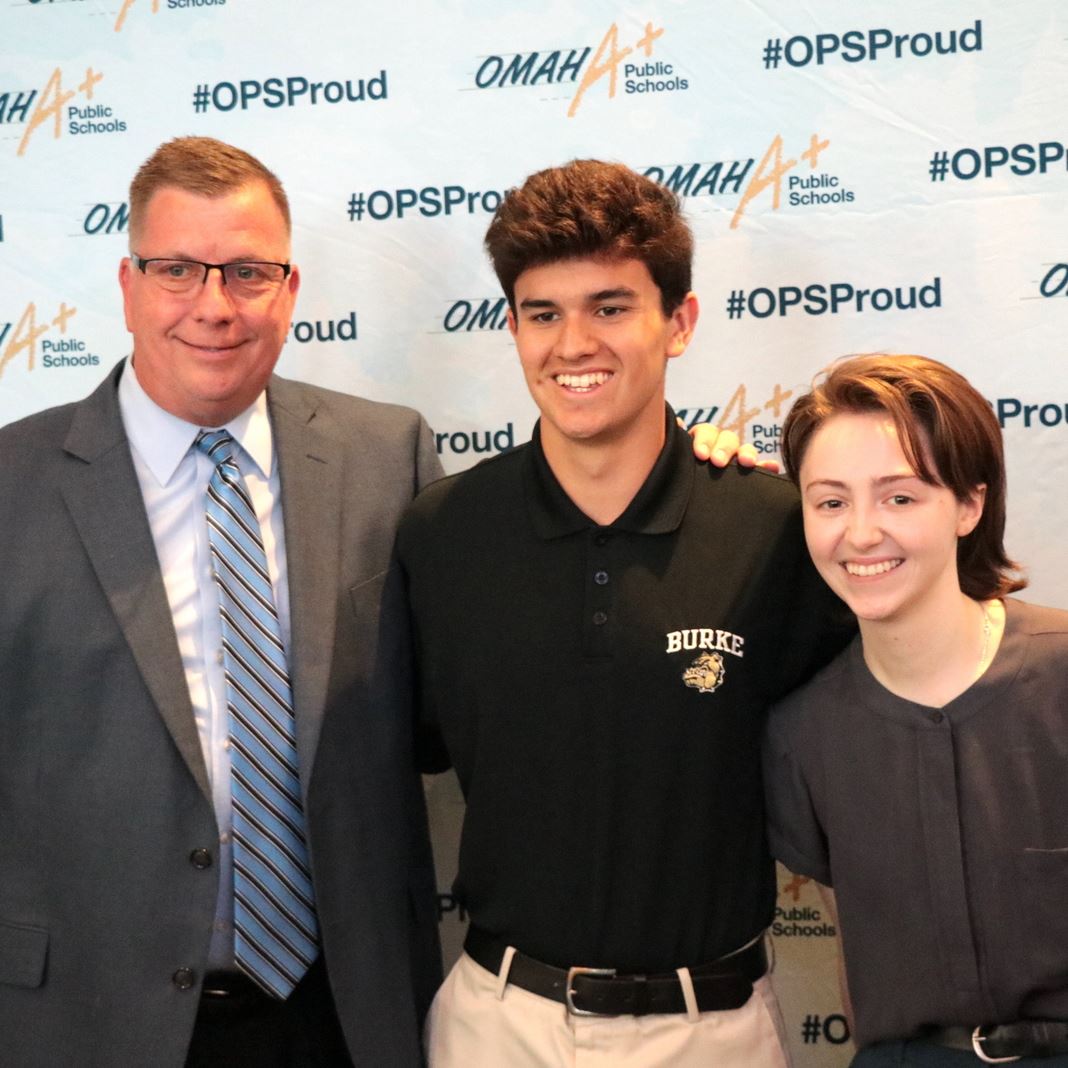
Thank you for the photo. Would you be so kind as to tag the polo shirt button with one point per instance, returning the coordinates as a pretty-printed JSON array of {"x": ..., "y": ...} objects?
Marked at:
[
  {"x": 937, "y": 717},
  {"x": 600, "y": 577},
  {"x": 184, "y": 978},
  {"x": 602, "y": 538},
  {"x": 200, "y": 858},
  {"x": 600, "y": 618}
]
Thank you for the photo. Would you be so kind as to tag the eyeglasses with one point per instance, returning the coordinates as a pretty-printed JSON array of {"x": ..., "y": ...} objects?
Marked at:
[{"x": 250, "y": 278}]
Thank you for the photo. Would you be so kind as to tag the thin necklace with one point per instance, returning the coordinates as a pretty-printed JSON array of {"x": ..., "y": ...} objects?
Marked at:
[{"x": 987, "y": 628}]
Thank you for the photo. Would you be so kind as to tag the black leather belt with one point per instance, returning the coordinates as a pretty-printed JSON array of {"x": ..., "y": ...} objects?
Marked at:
[
  {"x": 1005, "y": 1043},
  {"x": 723, "y": 984}
]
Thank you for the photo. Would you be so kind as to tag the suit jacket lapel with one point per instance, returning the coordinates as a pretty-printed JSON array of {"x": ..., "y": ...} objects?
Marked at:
[
  {"x": 105, "y": 503},
  {"x": 310, "y": 463}
]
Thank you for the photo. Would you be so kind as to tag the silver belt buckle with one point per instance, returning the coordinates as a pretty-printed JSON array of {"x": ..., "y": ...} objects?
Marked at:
[
  {"x": 978, "y": 1037},
  {"x": 568, "y": 990}
]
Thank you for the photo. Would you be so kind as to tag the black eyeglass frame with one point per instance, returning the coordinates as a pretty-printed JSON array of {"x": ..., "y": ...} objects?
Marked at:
[{"x": 141, "y": 264}]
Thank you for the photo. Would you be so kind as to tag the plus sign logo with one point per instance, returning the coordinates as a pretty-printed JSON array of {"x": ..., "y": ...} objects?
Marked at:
[
  {"x": 803, "y": 187},
  {"x": 628, "y": 58},
  {"x": 52, "y": 101},
  {"x": 28, "y": 336},
  {"x": 792, "y": 889},
  {"x": 752, "y": 420}
]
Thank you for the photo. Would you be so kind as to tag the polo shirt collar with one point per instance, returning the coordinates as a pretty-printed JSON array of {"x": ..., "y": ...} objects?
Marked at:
[
  {"x": 162, "y": 440},
  {"x": 657, "y": 508}
]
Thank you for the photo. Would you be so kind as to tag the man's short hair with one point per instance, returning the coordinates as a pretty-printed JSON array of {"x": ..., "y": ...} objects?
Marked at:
[
  {"x": 203, "y": 166},
  {"x": 587, "y": 209},
  {"x": 948, "y": 433}
]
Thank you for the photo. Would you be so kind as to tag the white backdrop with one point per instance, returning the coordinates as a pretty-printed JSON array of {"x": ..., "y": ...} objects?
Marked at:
[{"x": 859, "y": 176}]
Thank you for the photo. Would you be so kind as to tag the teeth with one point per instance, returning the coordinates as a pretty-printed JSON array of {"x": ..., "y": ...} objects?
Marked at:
[
  {"x": 864, "y": 570},
  {"x": 582, "y": 382}
]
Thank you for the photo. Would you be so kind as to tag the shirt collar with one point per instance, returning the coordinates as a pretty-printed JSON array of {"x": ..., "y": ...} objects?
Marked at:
[
  {"x": 162, "y": 440},
  {"x": 657, "y": 508}
]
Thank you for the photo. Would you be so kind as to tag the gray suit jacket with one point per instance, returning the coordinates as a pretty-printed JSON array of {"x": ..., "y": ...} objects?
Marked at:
[{"x": 103, "y": 789}]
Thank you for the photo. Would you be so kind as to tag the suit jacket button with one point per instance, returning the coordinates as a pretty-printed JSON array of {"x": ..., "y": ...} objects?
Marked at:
[
  {"x": 184, "y": 978},
  {"x": 200, "y": 858}
]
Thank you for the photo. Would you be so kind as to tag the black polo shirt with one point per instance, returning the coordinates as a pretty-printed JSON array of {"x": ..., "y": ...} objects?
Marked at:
[
  {"x": 601, "y": 693},
  {"x": 944, "y": 832}
]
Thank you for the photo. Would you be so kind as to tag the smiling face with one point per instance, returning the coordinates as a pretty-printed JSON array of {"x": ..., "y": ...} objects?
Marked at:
[
  {"x": 594, "y": 343},
  {"x": 884, "y": 540},
  {"x": 206, "y": 356}
]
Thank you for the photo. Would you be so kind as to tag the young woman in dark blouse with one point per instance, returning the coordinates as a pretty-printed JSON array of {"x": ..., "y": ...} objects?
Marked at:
[{"x": 923, "y": 775}]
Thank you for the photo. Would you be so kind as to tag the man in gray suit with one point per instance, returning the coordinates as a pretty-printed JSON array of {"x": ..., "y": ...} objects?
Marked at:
[{"x": 138, "y": 832}]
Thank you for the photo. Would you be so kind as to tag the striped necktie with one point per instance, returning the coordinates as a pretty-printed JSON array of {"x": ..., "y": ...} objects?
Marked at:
[{"x": 275, "y": 926}]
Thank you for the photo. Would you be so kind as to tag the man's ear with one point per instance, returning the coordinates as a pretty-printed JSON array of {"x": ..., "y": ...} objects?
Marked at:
[
  {"x": 125, "y": 267},
  {"x": 683, "y": 324}
]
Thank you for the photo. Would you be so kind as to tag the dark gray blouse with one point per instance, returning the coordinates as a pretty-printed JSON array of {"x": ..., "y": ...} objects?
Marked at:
[{"x": 944, "y": 832}]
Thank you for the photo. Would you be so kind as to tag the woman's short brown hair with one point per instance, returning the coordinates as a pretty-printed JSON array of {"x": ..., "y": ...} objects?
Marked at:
[
  {"x": 948, "y": 433},
  {"x": 587, "y": 209}
]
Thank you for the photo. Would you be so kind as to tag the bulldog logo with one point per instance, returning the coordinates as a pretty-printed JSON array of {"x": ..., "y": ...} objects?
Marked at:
[{"x": 705, "y": 674}]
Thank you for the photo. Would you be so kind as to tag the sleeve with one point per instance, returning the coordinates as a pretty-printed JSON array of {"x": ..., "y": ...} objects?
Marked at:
[
  {"x": 795, "y": 834},
  {"x": 427, "y": 464},
  {"x": 431, "y": 754}
]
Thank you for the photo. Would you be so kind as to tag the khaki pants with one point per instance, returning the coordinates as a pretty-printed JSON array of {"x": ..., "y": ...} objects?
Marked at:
[{"x": 477, "y": 1020}]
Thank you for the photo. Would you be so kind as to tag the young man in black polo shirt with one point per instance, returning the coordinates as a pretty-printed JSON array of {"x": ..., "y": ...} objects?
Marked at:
[{"x": 601, "y": 622}]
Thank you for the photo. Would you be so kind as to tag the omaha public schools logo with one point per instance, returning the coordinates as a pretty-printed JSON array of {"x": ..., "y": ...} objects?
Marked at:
[
  {"x": 707, "y": 670},
  {"x": 705, "y": 674}
]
